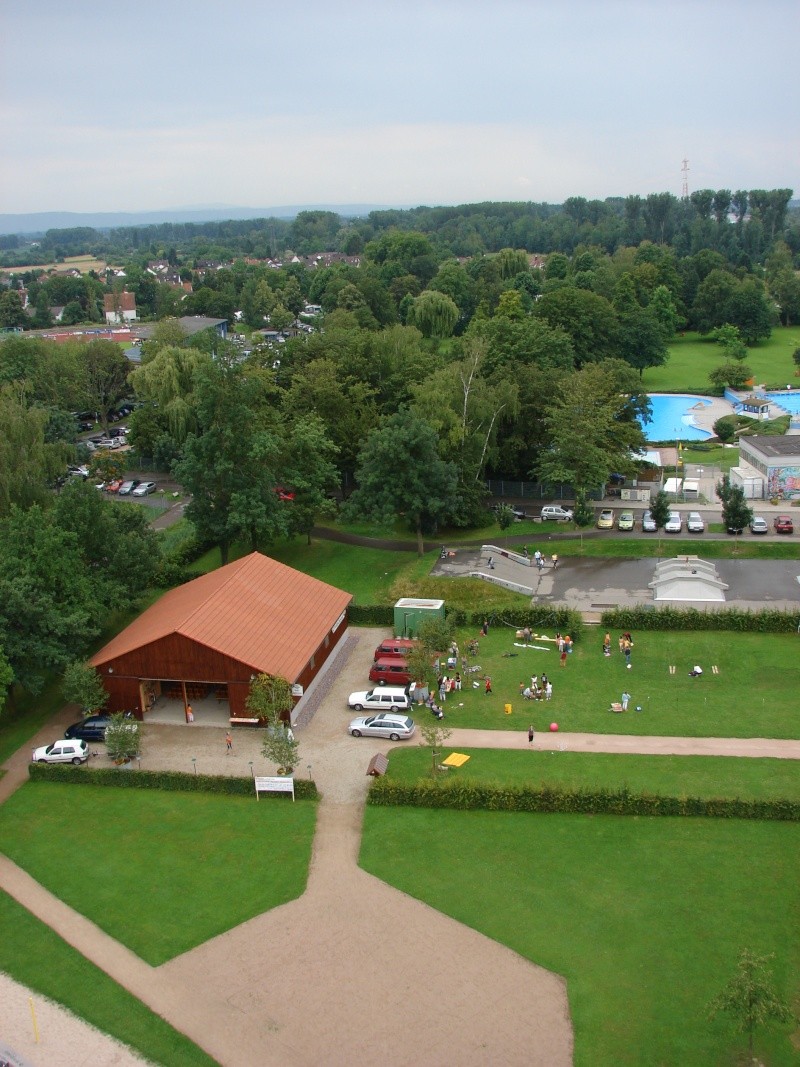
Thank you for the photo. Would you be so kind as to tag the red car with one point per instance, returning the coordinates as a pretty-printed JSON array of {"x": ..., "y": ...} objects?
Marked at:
[
  {"x": 284, "y": 494},
  {"x": 783, "y": 524},
  {"x": 114, "y": 487}
]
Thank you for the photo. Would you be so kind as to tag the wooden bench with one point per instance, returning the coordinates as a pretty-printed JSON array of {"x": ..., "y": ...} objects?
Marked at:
[
  {"x": 274, "y": 785},
  {"x": 239, "y": 720}
]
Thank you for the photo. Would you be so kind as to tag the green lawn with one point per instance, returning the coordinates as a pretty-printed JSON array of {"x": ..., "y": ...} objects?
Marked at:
[
  {"x": 754, "y": 694},
  {"x": 155, "y": 868},
  {"x": 654, "y": 546},
  {"x": 34, "y": 955},
  {"x": 674, "y": 776},
  {"x": 643, "y": 917},
  {"x": 692, "y": 358}
]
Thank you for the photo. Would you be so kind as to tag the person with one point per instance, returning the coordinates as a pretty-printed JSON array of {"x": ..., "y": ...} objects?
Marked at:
[
  {"x": 554, "y": 559},
  {"x": 626, "y": 698},
  {"x": 488, "y": 687},
  {"x": 530, "y": 734},
  {"x": 548, "y": 690},
  {"x": 540, "y": 562},
  {"x": 490, "y": 563},
  {"x": 525, "y": 551},
  {"x": 544, "y": 681},
  {"x": 436, "y": 711},
  {"x": 458, "y": 682},
  {"x": 527, "y": 693},
  {"x": 526, "y": 634},
  {"x": 228, "y": 742},
  {"x": 627, "y": 651},
  {"x": 563, "y": 655},
  {"x": 189, "y": 713},
  {"x": 607, "y": 644},
  {"x": 484, "y": 630},
  {"x": 537, "y": 555},
  {"x": 696, "y": 671}
]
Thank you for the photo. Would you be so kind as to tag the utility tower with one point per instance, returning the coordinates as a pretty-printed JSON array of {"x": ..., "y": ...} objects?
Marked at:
[{"x": 685, "y": 183}]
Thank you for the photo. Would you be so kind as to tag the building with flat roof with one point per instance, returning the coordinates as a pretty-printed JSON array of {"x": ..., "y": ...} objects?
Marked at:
[{"x": 771, "y": 464}]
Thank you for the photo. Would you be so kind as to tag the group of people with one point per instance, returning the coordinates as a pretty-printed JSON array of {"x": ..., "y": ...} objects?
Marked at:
[
  {"x": 539, "y": 559},
  {"x": 539, "y": 689},
  {"x": 447, "y": 685},
  {"x": 564, "y": 644},
  {"x": 625, "y": 646}
]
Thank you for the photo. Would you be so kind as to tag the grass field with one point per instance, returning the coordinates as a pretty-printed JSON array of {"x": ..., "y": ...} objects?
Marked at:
[
  {"x": 643, "y": 917},
  {"x": 754, "y": 695},
  {"x": 673, "y": 776},
  {"x": 32, "y": 954},
  {"x": 691, "y": 358},
  {"x": 155, "y": 868}
]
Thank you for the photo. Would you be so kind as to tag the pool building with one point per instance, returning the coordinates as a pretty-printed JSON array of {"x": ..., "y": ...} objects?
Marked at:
[{"x": 769, "y": 467}]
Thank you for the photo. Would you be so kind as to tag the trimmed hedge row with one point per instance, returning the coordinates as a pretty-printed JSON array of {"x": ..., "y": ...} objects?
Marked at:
[
  {"x": 731, "y": 619},
  {"x": 469, "y": 796},
  {"x": 371, "y": 615},
  {"x": 174, "y": 781},
  {"x": 563, "y": 620}
]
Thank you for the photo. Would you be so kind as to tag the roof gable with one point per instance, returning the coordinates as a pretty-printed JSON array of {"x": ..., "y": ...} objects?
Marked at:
[{"x": 256, "y": 611}]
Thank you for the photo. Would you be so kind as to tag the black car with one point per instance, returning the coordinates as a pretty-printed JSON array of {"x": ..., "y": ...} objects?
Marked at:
[{"x": 92, "y": 728}]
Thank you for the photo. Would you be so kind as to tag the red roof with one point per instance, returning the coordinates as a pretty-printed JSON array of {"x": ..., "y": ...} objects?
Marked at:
[{"x": 256, "y": 611}]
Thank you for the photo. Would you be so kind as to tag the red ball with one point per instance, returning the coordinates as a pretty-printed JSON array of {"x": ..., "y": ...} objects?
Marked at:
[{"x": 553, "y": 727}]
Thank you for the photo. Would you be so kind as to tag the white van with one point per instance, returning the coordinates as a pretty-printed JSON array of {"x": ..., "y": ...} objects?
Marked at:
[{"x": 385, "y": 698}]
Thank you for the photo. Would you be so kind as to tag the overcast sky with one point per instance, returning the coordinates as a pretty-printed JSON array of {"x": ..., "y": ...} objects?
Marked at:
[{"x": 170, "y": 103}]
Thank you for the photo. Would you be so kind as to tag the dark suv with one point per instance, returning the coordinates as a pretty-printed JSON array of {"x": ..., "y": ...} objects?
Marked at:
[{"x": 92, "y": 728}]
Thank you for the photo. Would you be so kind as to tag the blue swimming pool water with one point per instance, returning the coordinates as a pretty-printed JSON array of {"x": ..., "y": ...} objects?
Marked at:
[
  {"x": 673, "y": 418},
  {"x": 789, "y": 401}
]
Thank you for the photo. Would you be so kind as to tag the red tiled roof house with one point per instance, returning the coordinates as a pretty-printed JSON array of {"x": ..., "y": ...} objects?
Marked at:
[{"x": 210, "y": 636}]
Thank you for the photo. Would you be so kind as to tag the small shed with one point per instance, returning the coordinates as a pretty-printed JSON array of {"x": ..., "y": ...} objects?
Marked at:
[
  {"x": 673, "y": 486},
  {"x": 411, "y": 612},
  {"x": 754, "y": 405}
]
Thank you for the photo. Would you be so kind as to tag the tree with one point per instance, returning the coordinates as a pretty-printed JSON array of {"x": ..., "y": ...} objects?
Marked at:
[
  {"x": 47, "y": 608},
  {"x": 269, "y": 698},
  {"x": 28, "y": 464},
  {"x": 733, "y": 374},
  {"x": 123, "y": 737},
  {"x": 640, "y": 335},
  {"x": 434, "y": 314},
  {"x": 434, "y": 735},
  {"x": 588, "y": 319},
  {"x": 729, "y": 338},
  {"x": 105, "y": 377},
  {"x": 167, "y": 379},
  {"x": 400, "y": 473},
  {"x": 736, "y": 512},
  {"x": 6, "y": 679},
  {"x": 750, "y": 997},
  {"x": 660, "y": 509},
  {"x": 12, "y": 313},
  {"x": 592, "y": 426},
  {"x": 311, "y": 473},
  {"x": 505, "y": 517},
  {"x": 82, "y": 685}
]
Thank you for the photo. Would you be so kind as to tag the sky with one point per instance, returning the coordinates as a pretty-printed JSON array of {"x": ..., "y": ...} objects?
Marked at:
[{"x": 175, "y": 104}]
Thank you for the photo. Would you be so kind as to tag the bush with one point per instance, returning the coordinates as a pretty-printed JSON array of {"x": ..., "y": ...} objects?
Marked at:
[
  {"x": 730, "y": 619},
  {"x": 173, "y": 781},
  {"x": 371, "y": 615},
  {"x": 463, "y": 795}
]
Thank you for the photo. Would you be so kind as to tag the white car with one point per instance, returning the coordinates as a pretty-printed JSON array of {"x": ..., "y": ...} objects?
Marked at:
[
  {"x": 144, "y": 489},
  {"x": 553, "y": 512},
  {"x": 694, "y": 522},
  {"x": 649, "y": 523},
  {"x": 69, "y": 750},
  {"x": 394, "y": 727},
  {"x": 674, "y": 523},
  {"x": 384, "y": 698}
]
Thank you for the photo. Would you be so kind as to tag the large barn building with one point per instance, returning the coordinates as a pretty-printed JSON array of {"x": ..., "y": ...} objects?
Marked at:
[{"x": 201, "y": 643}]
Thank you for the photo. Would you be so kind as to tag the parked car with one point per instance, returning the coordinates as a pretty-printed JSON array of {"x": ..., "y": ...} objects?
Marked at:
[
  {"x": 759, "y": 525},
  {"x": 78, "y": 472},
  {"x": 394, "y": 670},
  {"x": 144, "y": 489},
  {"x": 128, "y": 487},
  {"x": 115, "y": 486},
  {"x": 783, "y": 524},
  {"x": 393, "y": 647},
  {"x": 284, "y": 494},
  {"x": 519, "y": 513},
  {"x": 118, "y": 431},
  {"x": 649, "y": 523},
  {"x": 674, "y": 523},
  {"x": 555, "y": 513},
  {"x": 384, "y": 698},
  {"x": 694, "y": 522},
  {"x": 66, "y": 751},
  {"x": 734, "y": 530},
  {"x": 92, "y": 728},
  {"x": 625, "y": 520},
  {"x": 605, "y": 520},
  {"x": 394, "y": 727}
]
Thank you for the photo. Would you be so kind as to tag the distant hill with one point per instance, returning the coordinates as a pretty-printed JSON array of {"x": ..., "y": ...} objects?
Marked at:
[{"x": 40, "y": 221}]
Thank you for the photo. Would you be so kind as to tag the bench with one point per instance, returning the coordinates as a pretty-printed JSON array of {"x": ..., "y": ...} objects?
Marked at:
[
  {"x": 238, "y": 720},
  {"x": 274, "y": 785}
]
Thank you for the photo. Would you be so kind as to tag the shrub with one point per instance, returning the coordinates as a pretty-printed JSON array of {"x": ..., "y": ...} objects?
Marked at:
[
  {"x": 173, "y": 781},
  {"x": 729, "y": 619}
]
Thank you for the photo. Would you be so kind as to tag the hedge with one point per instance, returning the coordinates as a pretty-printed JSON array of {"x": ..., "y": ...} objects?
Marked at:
[
  {"x": 563, "y": 620},
  {"x": 470, "y": 796},
  {"x": 174, "y": 781},
  {"x": 371, "y": 615},
  {"x": 644, "y": 618}
]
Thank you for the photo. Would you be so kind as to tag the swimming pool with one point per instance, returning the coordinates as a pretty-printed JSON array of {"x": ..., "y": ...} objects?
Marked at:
[
  {"x": 788, "y": 401},
  {"x": 673, "y": 418}
]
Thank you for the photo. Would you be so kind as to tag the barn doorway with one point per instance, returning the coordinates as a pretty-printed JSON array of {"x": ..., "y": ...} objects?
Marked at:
[{"x": 208, "y": 701}]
